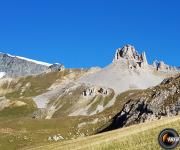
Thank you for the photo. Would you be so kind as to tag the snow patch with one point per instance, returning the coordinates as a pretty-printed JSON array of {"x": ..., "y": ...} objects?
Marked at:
[
  {"x": 34, "y": 61},
  {"x": 2, "y": 74},
  {"x": 30, "y": 60}
]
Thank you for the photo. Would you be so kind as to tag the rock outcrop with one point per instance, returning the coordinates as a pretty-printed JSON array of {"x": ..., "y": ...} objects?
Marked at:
[
  {"x": 151, "y": 104},
  {"x": 95, "y": 90},
  {"x": 135, "y": 60},
  {"x": 139, "y": 61},
  {"x": 56, "y": 67},
  {"x": 161, "y": 66}
]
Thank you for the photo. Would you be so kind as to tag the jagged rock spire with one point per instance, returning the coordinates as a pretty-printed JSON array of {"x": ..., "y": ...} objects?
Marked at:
[
  {"x": 160, "y": 65},
  {"x": 144, "y": 59},
  {"x": 129, "y": 52}
]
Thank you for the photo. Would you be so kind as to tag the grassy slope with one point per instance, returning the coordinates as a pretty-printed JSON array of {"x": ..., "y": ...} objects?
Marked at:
[
  {"x": 18, "y": 130},
  {"x": 21, "y": 131},
  {"x": 21, "y": 111},
  {"x": 40, "y": 83},
  {"x": 136, "y": 137},
  {"x": 16, "y": 133}
]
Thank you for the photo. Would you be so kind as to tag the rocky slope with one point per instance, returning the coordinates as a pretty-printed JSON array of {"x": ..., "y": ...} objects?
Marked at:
[
  {"x": 15, "y": 66},
  {"x": 150, "y": 104}
]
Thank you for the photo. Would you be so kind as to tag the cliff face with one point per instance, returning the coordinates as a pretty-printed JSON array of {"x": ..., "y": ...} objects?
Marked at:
[
  {"x": 150, "y": 104},
  {"x": 161, "y": 66},
  {"x": 129, "y": 52},
  {"x": 15, "y": 66},
  {"x": 137, "y": 60}
]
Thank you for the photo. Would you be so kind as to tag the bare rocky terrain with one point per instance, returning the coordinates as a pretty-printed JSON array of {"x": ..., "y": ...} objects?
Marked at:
[{"x": 150, "y": 104}]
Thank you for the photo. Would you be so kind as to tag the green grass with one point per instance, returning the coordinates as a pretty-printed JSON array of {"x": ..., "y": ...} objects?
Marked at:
[
  {"x": 37, "y": 131},
  {"x": 100, "y": 100},
  {"x": 108, "y": 98},
  {"x": 39, "y": 83},
  {"x": 136, "y": 137},
  {"x": 97, "y": 100},
  {"x": 21, "y": 111},
  {"x": 67, "y": 101}
]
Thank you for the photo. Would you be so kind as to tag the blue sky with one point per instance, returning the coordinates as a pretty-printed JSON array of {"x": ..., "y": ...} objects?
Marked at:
[{"x": 85, "y": 33}]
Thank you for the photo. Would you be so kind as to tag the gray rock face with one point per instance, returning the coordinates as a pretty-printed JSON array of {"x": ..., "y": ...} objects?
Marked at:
[
  {"x": 15, "y": 66},
  {"x": 129, "y": 52},
  {"x": 139, "y": 61},
  {"x": 95, "y": 90},
  {"x": 144, "y": 59},
  {"x": 163, "y": 100},
  {"x": 56, "y": 67},
  {"x": 161, "y": 66}
]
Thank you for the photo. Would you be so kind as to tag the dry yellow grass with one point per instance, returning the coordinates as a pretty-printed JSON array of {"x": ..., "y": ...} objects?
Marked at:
[{"x": 142, "y": 136}]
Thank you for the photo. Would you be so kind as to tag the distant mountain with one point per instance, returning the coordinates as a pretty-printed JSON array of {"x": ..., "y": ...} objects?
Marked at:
[{"x": 16, "y": 66}]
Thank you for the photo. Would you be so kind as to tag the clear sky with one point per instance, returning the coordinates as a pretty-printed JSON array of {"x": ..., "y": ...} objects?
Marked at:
[{"x": 85, "y": 33}]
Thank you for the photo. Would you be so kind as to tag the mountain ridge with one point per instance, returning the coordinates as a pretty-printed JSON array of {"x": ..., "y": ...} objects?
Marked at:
[
  {"x": 10, "y": 68},
  {"x": 128, "y": 71},
  {"x": 17, "y": 66}
]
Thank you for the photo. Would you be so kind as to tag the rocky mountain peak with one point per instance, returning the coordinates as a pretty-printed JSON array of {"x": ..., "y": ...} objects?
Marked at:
[
  {"x": 129, "y": 52},
  {"x": 160, "y": 65}
]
